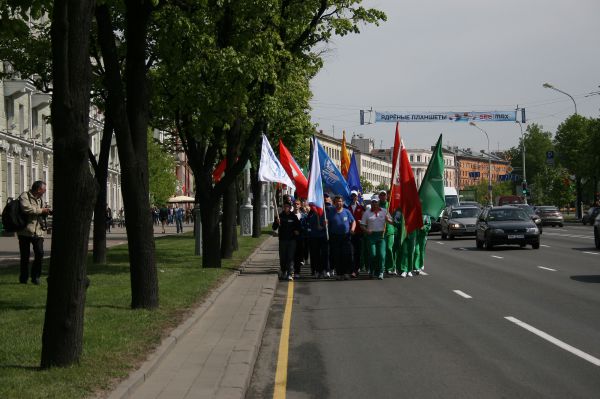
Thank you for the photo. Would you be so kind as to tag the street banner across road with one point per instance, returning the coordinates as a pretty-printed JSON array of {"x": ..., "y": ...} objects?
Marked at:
[{"x": 489, "y": 116}]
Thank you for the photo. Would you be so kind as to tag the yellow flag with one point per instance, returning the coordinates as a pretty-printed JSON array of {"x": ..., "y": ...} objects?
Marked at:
[{"x": 345, "y": 161}]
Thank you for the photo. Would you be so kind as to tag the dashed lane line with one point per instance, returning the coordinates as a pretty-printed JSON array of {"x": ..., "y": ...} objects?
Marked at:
[
  {"x": 459, "y": 292},
  {"x": 563, "y": 345},
  {"x": 547, "y": 268},
  {"x": 591, "y": 253},
  {"x": 545, "y": 246},
  {"x": 497, "y": 257}
]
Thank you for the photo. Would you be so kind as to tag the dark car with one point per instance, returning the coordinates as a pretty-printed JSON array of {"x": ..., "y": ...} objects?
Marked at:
[
  {"x": 531, "y": 212},
  {"x": 459, "y": 221},
  {"x": 590, "y": 215},
  {"x": 506, "y": 225},
  {"x": 550, "y": 215},
  {"x": 597, "y": 232}
]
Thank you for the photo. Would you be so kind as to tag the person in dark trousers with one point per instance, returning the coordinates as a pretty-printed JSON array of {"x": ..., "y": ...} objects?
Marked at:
[
  {"x": 317, "y": 242},
  {"x": 341, "y": 226},
  {"x": 33, "y": 234},
  {"x": 289, "y": 230},
  {"x": 357, "y": 238},
  {"x": 163, "y": 215},
  {"x": 109, "y": 219},
  {"x": 298, "y": 211}
]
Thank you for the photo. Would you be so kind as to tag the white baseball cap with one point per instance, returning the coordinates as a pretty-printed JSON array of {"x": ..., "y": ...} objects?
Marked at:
[{"x": 354, "y": 192}]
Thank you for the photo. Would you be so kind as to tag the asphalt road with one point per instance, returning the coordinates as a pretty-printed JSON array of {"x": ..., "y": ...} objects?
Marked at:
[{"x": 508, "y": 323}]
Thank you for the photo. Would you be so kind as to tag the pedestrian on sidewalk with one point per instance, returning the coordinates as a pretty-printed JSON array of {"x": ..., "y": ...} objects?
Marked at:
[
  {"x": 109, "y": 219},
  {"x": 289, "y": 229},
  {"x": 341, "y": 226},
  {"x": 163, "y": 214},
  {"x": 179, "y": 213},
  {"x": 33, "y": 233}
]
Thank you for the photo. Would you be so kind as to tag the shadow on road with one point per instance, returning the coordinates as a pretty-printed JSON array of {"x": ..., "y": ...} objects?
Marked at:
[{"x": 594, "y": 278}]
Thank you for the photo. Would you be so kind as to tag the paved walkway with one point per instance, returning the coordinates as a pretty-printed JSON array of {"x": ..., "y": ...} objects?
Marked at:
[
  {"x": 212, "y": 354},
  {"x": 9, "y": 245}
]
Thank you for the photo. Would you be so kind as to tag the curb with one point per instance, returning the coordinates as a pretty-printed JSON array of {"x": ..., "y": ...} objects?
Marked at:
[{"x": 137, "y": 377}]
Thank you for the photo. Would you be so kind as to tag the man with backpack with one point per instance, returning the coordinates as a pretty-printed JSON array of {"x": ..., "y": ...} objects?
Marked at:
[{"x": 33, "y": 233}]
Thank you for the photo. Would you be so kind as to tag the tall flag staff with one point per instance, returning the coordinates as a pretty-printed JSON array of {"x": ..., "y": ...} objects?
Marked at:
[{"x": 315, "y": 184}]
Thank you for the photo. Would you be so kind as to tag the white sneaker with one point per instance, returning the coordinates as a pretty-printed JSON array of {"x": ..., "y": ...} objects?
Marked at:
[
  {"x": 403, "y": 274},
  {"x": 290, "y": 278},
  {"x": 409, "y": 274},
  {"x": 327, "y": 274}
]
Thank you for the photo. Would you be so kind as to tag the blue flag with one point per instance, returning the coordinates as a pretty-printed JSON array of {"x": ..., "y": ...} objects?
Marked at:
[
  {"x": 332, "y": 177},
  {"x": 354, "y": 178}
]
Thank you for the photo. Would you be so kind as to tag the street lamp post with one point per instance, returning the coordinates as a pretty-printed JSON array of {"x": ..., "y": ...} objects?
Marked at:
[
  {"x": 489, "y": 163},
  {"x": 523, "y": 151},
  {"x": 549, "y": 86}
]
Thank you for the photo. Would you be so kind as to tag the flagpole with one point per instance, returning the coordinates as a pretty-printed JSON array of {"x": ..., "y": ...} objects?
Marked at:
[{"x": 275, "y": 203}]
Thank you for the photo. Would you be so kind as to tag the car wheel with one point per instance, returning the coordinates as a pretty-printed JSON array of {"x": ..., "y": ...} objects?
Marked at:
[
  {"x": 488, "y": 244},
  {"x": 560, "y": 225},
  {"x": 479, "y": 244},
  {"x": 553, "y": 225},
  {"x": 522, "y": 245},
  {"x": 450, "y": 236},
  {"x": 535, "y": 245},
  {"x": 584, "y": 223}
]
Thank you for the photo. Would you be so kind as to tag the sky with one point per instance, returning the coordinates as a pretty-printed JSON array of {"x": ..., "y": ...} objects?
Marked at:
[{"x": 458, "y": 56}]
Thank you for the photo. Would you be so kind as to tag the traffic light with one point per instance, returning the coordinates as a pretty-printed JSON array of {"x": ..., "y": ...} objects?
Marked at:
[{"x": 525, "y": 192}]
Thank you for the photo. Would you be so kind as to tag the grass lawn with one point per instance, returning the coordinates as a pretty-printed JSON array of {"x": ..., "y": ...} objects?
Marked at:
[{"x": 116, "y": 338}]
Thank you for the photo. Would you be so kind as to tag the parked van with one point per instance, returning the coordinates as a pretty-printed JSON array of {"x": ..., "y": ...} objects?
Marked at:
[
  {"x": 451, "y": 196},
  {"x": 509, "y": 199}
]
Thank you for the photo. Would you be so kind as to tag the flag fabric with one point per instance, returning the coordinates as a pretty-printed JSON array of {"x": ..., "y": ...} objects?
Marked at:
[
  {"x": 353, "y": 176},
  {"x": 395, "y": 188},
  {"x": 315, "y": 184},
  {"x": 431, "y": 191},
  {"x": 219, "y": 170},
  {"x": 410, "y": 203},
  {"x": 270, "y": 169},
  {"x": 331, "y": 175},
  {"x": 345, "y": 158},
  {"x": 293, "y": 170}
]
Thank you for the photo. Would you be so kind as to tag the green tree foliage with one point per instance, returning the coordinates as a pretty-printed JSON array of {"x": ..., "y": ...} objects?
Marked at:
[
  {"x": 161, "y": 168},
  {"x": 537, "y": 143},
  {"x": 552, "y": 186},
  {"x": 480, "y": 190},
  {"x": 367, "y": 186}
]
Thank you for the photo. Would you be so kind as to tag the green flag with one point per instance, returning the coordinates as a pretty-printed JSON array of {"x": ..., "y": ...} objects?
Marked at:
[{"x": 431, "y": 191}]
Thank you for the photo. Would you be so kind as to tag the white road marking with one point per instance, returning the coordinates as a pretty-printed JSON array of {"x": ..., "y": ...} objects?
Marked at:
[
  {"x": 591, "y": 253},
  {"x": 459, "y": 292},
  {"x": 463, "y": 249},
  {"x": 547, "y": 268},
  {"x": 497, "y": 257},
  {"x": 545, "y": 246},
  {"x": 441, "y": 243},
  {"x": 594, "y": 360}
]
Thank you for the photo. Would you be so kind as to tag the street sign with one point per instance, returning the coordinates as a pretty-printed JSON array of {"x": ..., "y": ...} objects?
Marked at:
[{"x": 550, "y": 157}]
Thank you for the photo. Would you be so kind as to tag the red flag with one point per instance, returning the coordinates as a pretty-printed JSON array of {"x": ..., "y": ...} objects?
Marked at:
[
  {"x": 345, "y": 157},
  {"x": 410, "y": 203},
  {"x": 404, "y": 193},
  {"x": 219, "y": 170},
  {"x": 293, "y": 171},
  {"x": 395, "y": 182}
]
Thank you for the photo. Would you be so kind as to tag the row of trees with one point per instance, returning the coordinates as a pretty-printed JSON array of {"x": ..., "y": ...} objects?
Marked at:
[
  {"x": 216, "y": 75},
  {"x": 574, "y": 174}
]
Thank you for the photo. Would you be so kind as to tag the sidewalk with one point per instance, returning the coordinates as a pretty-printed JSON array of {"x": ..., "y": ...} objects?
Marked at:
[
  {"x": 9, "y": 246},
  {"x": 212, "y": 354}
]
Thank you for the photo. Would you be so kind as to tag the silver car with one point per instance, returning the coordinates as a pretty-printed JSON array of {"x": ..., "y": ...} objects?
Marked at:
[{"x": 459, "y": 221}]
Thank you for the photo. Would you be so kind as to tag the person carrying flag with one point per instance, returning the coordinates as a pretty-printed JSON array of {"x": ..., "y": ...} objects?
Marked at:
[
  {"x": 317, "y": 243},
  {"x": 289, "y": 230},
  {"x": 374, "y": 221},
  {"x": 390, "y": 237},
  {"x": 341, "y": 225},
  {"x": 357, "y": 238}
]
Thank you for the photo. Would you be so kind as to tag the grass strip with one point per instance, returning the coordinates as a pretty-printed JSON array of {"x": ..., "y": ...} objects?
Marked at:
[{"x": 116, "y": 338}]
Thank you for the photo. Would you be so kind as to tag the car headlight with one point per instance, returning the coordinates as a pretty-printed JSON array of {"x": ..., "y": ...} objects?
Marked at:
[
  {"x": 455, "y": 225},
  {"x": 497, "y": 231},
  {"x": 532, "y": 230}
]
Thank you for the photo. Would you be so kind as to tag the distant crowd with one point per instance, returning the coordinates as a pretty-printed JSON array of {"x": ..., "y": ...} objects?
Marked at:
[{"x": 346, "y": 241}]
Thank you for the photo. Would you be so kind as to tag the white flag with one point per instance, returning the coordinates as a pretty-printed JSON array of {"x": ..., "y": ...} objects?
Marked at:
[{"x": 270, "y": 169}]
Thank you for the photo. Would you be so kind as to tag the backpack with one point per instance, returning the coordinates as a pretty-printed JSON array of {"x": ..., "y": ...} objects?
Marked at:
[{"x": 13, "y": 217}]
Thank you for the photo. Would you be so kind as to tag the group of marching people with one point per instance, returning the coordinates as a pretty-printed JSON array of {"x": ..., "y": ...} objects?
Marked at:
[{"x": 347, "y": 241}]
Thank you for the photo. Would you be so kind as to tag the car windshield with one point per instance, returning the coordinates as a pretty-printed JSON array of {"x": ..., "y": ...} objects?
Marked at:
[
  {"x": 548, "y": 209},
  {"x": 464, "y": 213},
  {"x": 507, "y": 214},
  {"x": 527, "y": 208}
]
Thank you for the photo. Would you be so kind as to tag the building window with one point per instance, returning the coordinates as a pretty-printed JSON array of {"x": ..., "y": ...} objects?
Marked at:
[
  {"x": 21, "y": 119},
  {"x": 412, "y": 158},
  {"x": 10, "y": 188},
  {"x": 418, "y": 158},
  {"x": 22, "y": 178},
  {"x": 9, "y": 111}
]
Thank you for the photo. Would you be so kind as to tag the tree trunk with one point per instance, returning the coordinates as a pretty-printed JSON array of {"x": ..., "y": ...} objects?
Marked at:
[
  {"x": 130, "y": 116},
  {"x": 256, "y": 203},
  {"x": 101, "y": 171},
  {"x": 74, "y": 186},
  {"x": 211, "y": 239},
  {"x": 229, "y": 221}
]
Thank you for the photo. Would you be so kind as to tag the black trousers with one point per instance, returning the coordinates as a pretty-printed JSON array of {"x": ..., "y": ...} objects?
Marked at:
[
  {"x": 25, "y": 251},
  {"x": 340, "y": 248},
  {"x": 356, "y": 251},
  {"x": 299, "y": 255},
  {"x": 319, "y": 255},
  {"x": 287, "y": 250}
]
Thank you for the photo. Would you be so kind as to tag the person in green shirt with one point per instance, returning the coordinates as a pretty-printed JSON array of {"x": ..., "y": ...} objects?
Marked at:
[{"x": 390, "y": 237}]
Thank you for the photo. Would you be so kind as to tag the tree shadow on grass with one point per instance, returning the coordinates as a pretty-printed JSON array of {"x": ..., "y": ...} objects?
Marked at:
[
  {"x": 594, "y": 278},
  {"x": 5, "y": 305},
  {"x": 19, "y": 367}
]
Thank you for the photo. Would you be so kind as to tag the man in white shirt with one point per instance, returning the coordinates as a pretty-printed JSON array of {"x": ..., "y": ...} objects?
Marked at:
[{"x": 374, "y": 221}]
